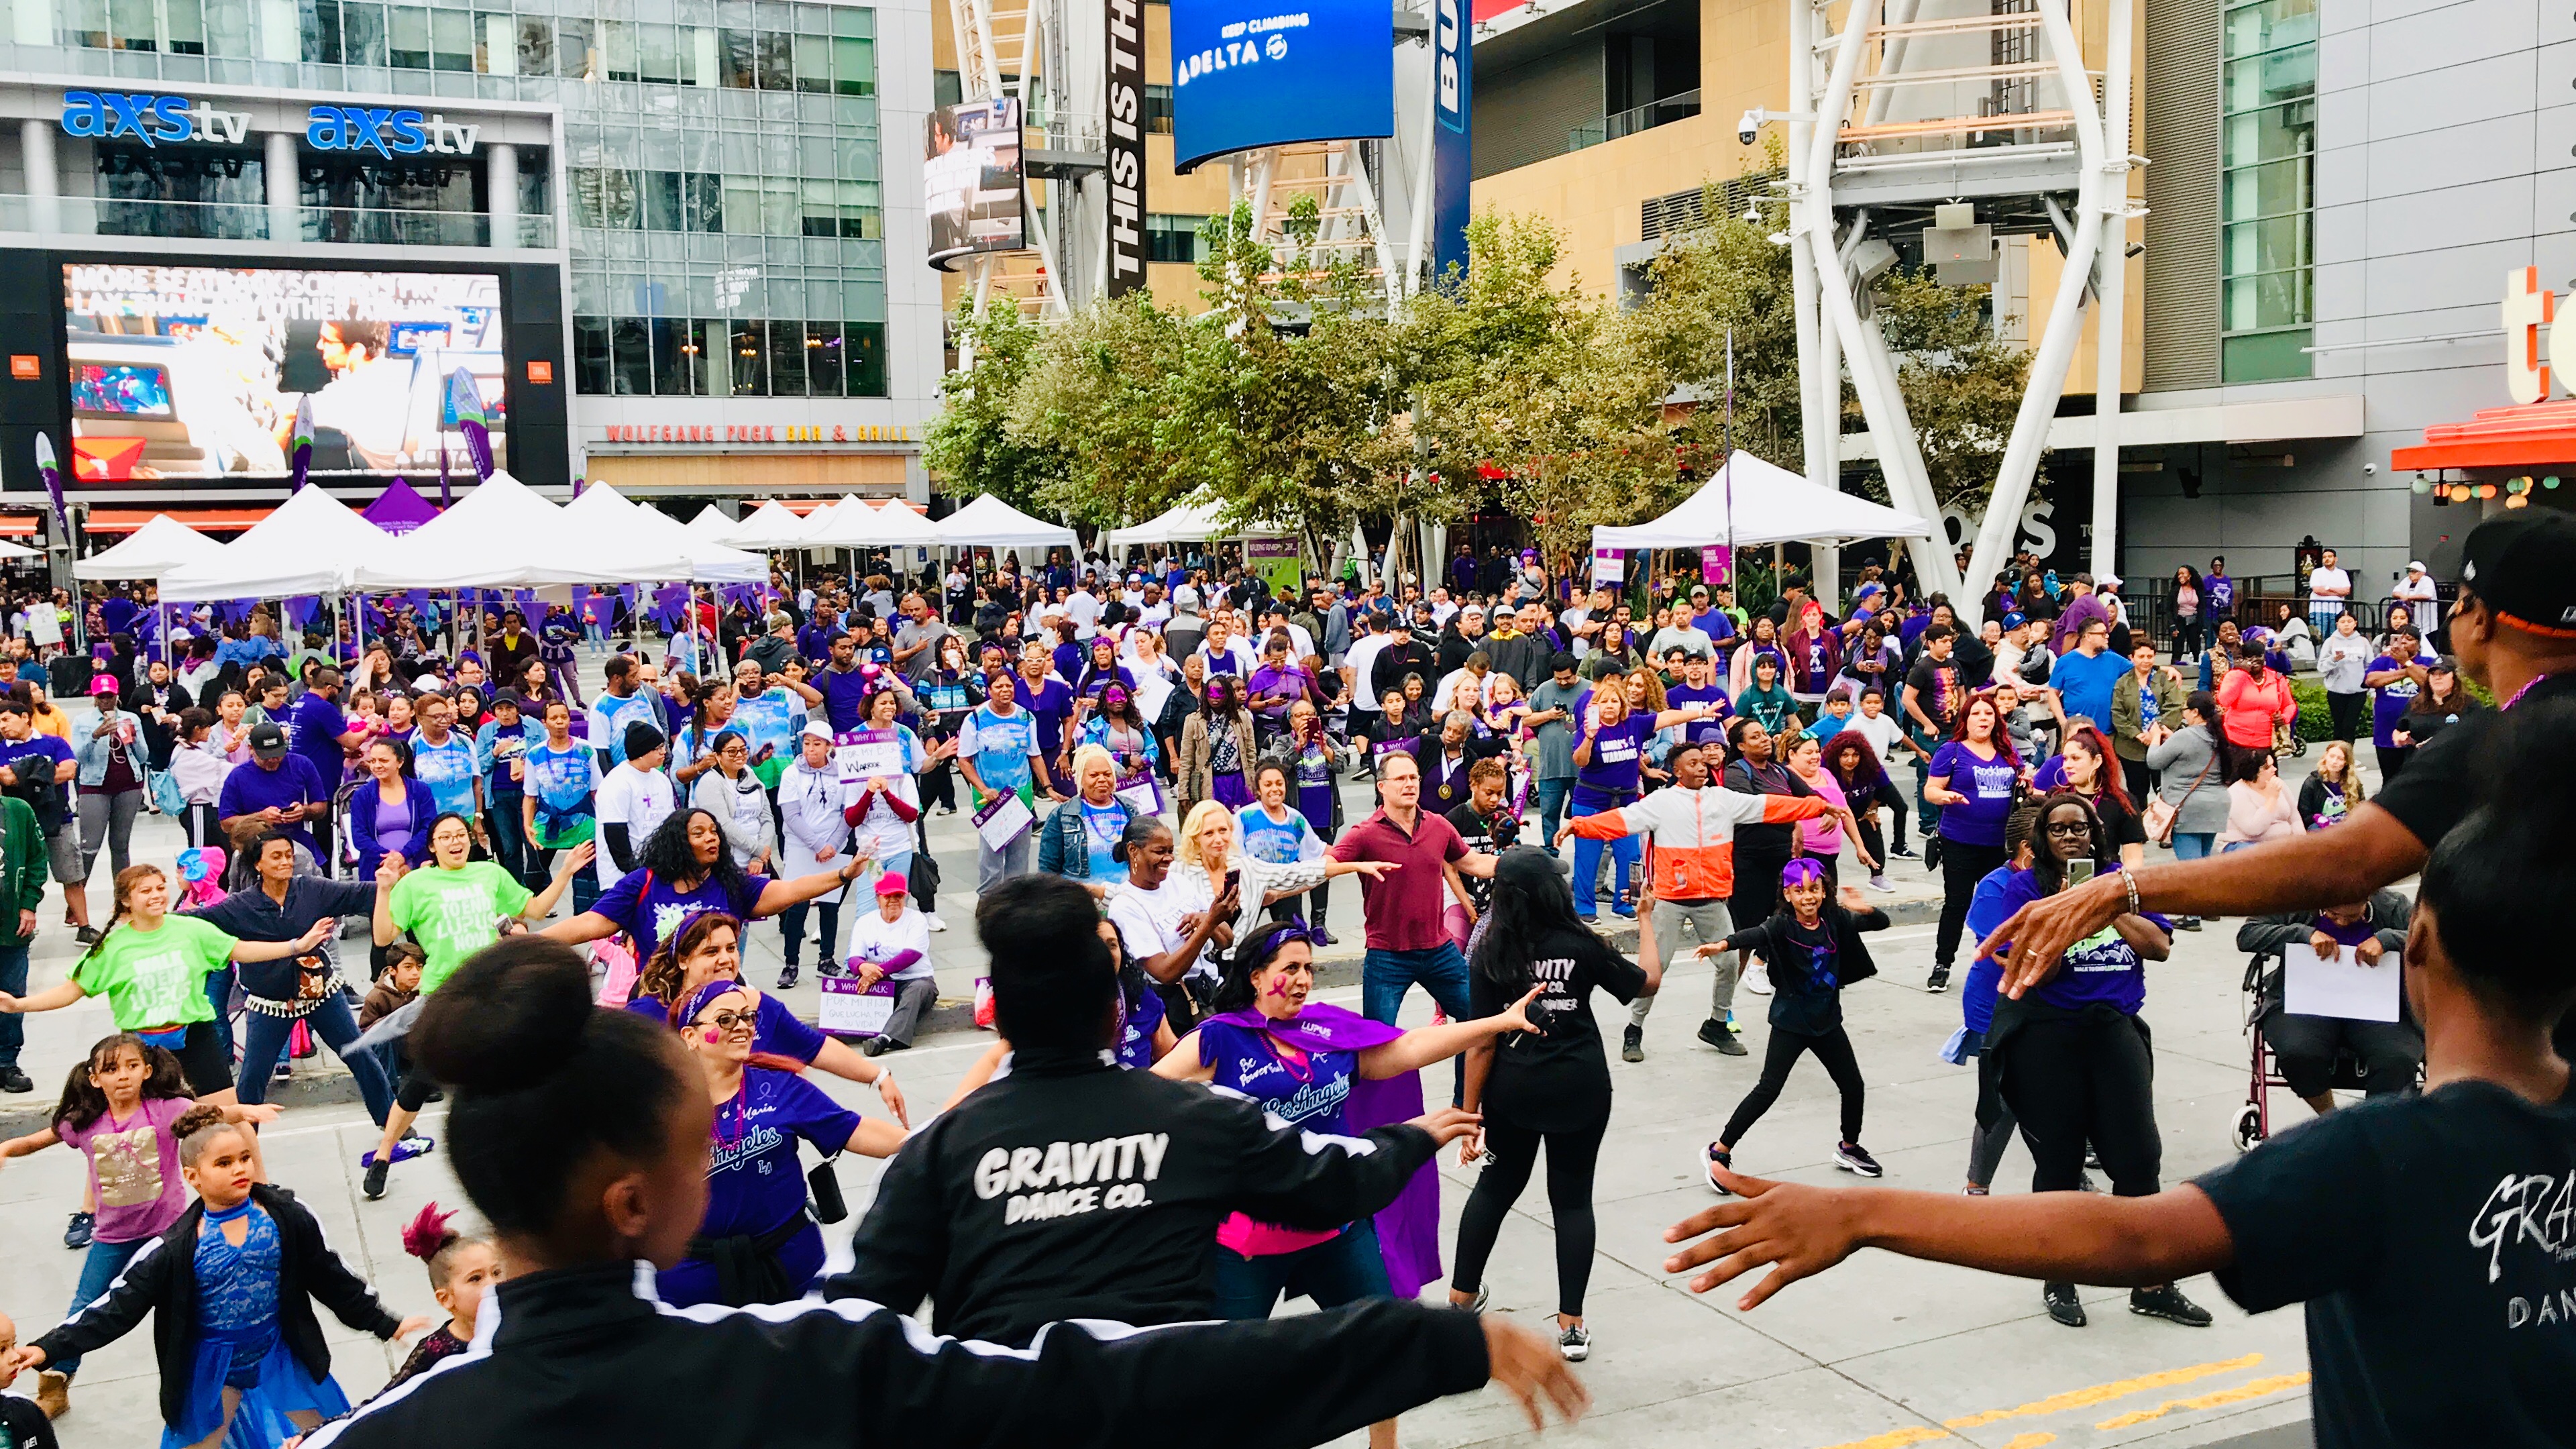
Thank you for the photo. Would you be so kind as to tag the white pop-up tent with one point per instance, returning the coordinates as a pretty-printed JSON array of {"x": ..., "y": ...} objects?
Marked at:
[
  {"x": 622, "y": 541},
  {"x": 162, "y": 545},
  {"x": 711, "y": 524},
  {"x": 773, "y": 525},
  {"x": 1190, "y": 521},
  {"x": 856, "y": 523},
  {"x": 312, "y": 544},
  {"x": 500, "y": 535},
  {"x": 1752, "y": 503},
  {"x": 988, "y": 522}
]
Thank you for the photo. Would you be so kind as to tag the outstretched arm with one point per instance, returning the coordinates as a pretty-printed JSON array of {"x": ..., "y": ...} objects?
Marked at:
[
  {"x": 2061, "y": 1236},
  {"x": 1425, "y": 1045}
]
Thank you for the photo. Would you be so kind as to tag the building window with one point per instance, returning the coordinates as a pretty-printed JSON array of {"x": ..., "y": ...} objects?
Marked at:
[
  {"x": 1158, "y": 109},
  {"x": 1172, "y": 238},
  {"x": 740, "y": 357},
  {"x": 2267, "y": 191}
]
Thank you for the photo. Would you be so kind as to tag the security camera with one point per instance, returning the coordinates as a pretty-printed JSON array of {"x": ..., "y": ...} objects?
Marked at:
[
  {"x": 1749, "y": 126},
  {"x": 2368, "y": 468}
]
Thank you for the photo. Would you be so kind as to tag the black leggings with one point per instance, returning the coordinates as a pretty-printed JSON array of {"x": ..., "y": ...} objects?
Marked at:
[
  {"x": 415, "y": 1090},
  {"x": 1570, "y": 1159},
  {"x": 1888, "y": 795},
  {"x": 1834, "y": 1049},
  {"x": 2091, "y": 1076},
  {"x": 1962, "y": 866},
  {"x": 2345, "y": 710}
]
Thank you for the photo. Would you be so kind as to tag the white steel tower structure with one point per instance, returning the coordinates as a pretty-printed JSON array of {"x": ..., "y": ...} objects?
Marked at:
[{"x": 1945, "y": 124}]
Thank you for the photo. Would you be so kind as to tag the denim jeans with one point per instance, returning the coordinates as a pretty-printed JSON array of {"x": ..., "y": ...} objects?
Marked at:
[
  {"x": 1441, "y": 970},
  {"x": 97, "y": 1275},
  {"x": 1927, "y": 816},
  {"x": 1587, "y": 864},
  {"x": 992, "y": 867},
  {"x": 510, "y": 842},
  {"x": 264, "y": 1040},
  {"x": 13, "y": 979},
  {"x": 1551, "y": 807},
  {"x": 1346, "y": 1268},
  {"x": 2192, "y": 844},
  {"x": 219, "y": 990}
]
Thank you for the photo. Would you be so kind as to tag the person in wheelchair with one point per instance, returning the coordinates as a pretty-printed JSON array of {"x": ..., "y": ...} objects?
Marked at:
[{"x": 2391, "y": 1053}]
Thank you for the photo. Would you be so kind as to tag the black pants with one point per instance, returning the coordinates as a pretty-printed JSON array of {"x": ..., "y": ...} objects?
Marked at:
[
  {"x": 206, "y": 1058},
  {"x": 1757, "y": 884},
  {"x": 2140, "y": 782},
  {"x": 1570, "y": 1160},
  {"x": 1962, "y": 866},
  {"x": 2391, "y": 761},
  {"x": 2305, "y": 1047},
  {"x": 2086, "y": 1077},
  {"x": 2187, "y": 635},
  {"x": 1834, "y": 1049},
  {"x": 939, "y": 787},
  {"x": 1872, "y": 838},
  {"x": 2345, "y": 710}
]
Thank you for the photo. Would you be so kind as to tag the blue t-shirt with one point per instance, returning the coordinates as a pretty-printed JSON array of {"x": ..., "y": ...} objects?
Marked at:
[
  {"x": 565, "y": 781},
  {"x": 1617, "y": 750},
  {"x": 448, "y": 770},
  {"x": 1136, "y": 1038},
  {"x": 1986, "y": 911},
  {"x": 1101, "y": 828},
  {"x": 52, "y": 748},
  {"x": 1988, "y": 784},
  {"x": 1003, "y": 744},
  {"x": 2084, "y": 684},
  {"x": 754, "y": 1181},
  {"x": 610, "y": 715},
  {"x": 1702, "y": 731},
  {"x": 2102, "y": 967},
  {"x": 313, "y": 729},
  {"x": 496, "y": 747},
  {"x": 1309, "y": 1095},
  {"x": 652, "y": 909},
  {"x": 1274, "y": 841}
]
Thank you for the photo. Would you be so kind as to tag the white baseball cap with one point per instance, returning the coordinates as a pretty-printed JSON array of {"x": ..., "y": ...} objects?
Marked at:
[{"x": 2416, "y": 566}]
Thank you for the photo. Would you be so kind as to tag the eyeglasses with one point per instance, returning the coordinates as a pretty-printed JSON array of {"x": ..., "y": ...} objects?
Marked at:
[
  {"x": 732, "y": 1021},
  {"x": 2070, "y": 828}
]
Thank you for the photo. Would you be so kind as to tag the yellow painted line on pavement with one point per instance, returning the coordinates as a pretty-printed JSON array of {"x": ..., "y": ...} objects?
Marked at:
[
  {"x": 2030, "y": 1441},
  {"x": 1896, "y": 1438},
  {"x": 2250, "y": 1389},
  {"x": 2086, "y": 1398}
]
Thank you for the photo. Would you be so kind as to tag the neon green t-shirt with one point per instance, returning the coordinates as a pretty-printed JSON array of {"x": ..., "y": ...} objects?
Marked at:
[
  {"x": 454, "y": 913},
  {"x": 155, "y": 979}
]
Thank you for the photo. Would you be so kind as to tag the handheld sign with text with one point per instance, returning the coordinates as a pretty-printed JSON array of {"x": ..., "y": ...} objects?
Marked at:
[
  {"x": 1002, "y": 820},
  {"x": 847, "y": 1009},
  {"x": 869, "y": 754}
]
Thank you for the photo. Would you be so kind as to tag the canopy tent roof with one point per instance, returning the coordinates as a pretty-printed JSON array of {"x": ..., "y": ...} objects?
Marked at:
[
  {"x": 500, "y": 535},
  {"x": 1770, "y": 505},
  {"x": 1189, "y": 522},
  {"x": 856, "y": 523},
  {"x": 623, "y": 541},
  {"x": 988, "y": 522},
  {"x": 14, "y": 550},
  {"x": 771, "y": 525},
  {"x": 161, "y": 545},
  {"x": 312, "y": 544},
  {"x": 711, "y": 524}
]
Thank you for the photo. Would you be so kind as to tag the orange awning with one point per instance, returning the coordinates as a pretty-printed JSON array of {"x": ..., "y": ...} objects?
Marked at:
[
  {"x": 15, "y": 527},
  {"x": 204, "y": 520},
  {"x": 2536, "y": 435}
]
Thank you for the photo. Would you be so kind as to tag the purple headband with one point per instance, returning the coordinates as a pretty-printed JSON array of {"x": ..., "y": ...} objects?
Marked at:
[
  {"x": 1801, "y": 871},
  {"x": 699, "y": 998}
]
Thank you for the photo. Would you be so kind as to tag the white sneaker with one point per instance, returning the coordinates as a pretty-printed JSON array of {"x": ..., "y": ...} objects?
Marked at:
[
  {"x": 1757, "y": 978},
  {"x": 1879, "y": 884},
  {"x": 937, "y": 924}
]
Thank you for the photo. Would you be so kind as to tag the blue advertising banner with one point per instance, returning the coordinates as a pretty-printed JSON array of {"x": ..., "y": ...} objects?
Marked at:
[
  {"x": 1245, "y": 75},
  {"x": 1453, "y": 76}
]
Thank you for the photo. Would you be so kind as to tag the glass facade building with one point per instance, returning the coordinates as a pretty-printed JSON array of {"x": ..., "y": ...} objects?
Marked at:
[{"x": 2267, "y": 190}]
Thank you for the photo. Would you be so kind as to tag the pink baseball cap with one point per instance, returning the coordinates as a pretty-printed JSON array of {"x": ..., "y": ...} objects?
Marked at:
[{"x": 892, "y": 883}]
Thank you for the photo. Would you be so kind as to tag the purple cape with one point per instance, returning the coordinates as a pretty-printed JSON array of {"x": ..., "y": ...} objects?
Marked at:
[{"x": 1408, "y": 1229}]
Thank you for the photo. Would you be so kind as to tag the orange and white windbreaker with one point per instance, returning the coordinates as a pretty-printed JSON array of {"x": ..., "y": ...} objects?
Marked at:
[{"x": 1691, "y": 833}]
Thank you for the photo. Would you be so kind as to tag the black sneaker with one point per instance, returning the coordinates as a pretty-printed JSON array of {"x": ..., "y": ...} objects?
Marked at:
[
  {"x": 86, "y": 935},
  {"x": 2168, "y": 1304},
  {"x": 2063, "y": 1304},
  {"x": 76, "y": 1234},
  {"x": 2186, "y": 923},
  {"x": 374, "y": 1184},
  {"x": 1852, "y": 1157},
  {"x": 1717, "y": 1157},
  {"x": 14, "y": 1080},
  {"x": 1721, "y": 1036},
  {"x": 787, "y": 977},
  {"x": 1632, "y": 1048},
  {"x": 1901, "y": 853},
  {"x": 1938, "y": 981}
]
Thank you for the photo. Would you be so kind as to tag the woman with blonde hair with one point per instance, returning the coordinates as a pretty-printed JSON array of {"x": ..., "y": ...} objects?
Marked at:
[
  {"x": 1210, "y": 850},
  {"x": 2333, "y": 790}
]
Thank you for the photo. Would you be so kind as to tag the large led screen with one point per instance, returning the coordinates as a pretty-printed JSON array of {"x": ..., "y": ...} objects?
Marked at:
[
  {"x": 971, "y": 172},
  {"x": 1244, "y": 75},
  {"x": 196, "y": 371}
]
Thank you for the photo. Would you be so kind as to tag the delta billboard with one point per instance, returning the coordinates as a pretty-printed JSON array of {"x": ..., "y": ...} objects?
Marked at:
[{"x": 1245, "y": 76}]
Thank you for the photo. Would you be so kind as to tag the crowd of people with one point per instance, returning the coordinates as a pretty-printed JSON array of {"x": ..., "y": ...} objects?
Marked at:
[{"x": 558, "y": 894}]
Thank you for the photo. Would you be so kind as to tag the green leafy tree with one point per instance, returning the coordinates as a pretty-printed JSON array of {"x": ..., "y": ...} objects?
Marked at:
[
  {"x": 1101, "y": 392},
  {"x": 970, "y": 446}
]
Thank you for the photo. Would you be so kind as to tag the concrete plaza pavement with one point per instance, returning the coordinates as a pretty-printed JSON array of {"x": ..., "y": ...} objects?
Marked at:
[{"x": 1882, "y": 1352}]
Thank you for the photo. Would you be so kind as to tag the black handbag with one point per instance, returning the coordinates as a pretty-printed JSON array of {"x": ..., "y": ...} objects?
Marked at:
[{"x": 824, "y": 1186}]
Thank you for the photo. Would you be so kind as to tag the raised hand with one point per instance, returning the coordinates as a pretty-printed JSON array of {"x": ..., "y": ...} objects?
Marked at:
[{"x": 1800, "y": 1230}]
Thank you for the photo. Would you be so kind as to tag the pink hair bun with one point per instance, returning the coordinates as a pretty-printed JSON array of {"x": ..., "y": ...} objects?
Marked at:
[{"x": 424, "y": 1235}]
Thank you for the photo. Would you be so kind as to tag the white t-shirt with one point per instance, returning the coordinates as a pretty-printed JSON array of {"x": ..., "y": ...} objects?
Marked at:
[
  {"x": 640, "y": 800},
  {"x": 1883, "y": 734},
  {"x": 2416, "y": 591},
  {"x": 1084, "y": 611},
  {"x": 2328, "y": 586},
  {"x": 874, "y": 938},
  {"x": 1362, "y": 658},
  {"x": 1148, "y": 922}
]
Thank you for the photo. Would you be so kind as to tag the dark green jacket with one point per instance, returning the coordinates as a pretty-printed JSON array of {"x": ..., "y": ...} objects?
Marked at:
[{"x": 22, "y": 855}]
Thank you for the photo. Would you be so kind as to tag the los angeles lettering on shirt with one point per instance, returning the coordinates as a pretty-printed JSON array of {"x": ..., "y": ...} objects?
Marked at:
[{"x": 1064, "y": 1179}]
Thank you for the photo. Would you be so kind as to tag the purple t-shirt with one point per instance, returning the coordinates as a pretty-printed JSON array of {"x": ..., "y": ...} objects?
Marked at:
[
  {"x": 2390, "y": 701},
  {"x": 2102, "y": 967},
  {"x": 754, "y": 1182},
  {"x": 1136, "y": 1036},
  {"x": 313, "y": 731},
  {"x": 1309, "y": 1096},
  {"x": 1050, "y": 704},
  {"x": 1988, "y": 784},
  {"x": 777, "y": 1031},
  {"x": 52, "y": 748},
  {"x": 652, "y": 909},
  {"x": 1617, "y": 751},
  {"x": 251, "y": 788},
  {"x": 844, "y": 692},
  {"x": 134, "y": 1165},
  {"x": 1704, "y": 731}
]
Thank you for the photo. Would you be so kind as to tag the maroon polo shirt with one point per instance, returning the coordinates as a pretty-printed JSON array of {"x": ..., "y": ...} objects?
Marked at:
[{"x": 1404, "y": 911}]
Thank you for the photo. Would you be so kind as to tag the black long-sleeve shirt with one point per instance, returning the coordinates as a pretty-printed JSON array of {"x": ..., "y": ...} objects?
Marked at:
[
  {"x": 574, "y": 1358},
  {"x": 1072, "y": 1189}
]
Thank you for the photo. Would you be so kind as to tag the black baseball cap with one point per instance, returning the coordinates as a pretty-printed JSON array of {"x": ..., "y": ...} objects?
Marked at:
[
  {"x": 267, "y": 741},
  {"x": 641, "y": 739},
  {"x": 2519, "y": 565}
]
